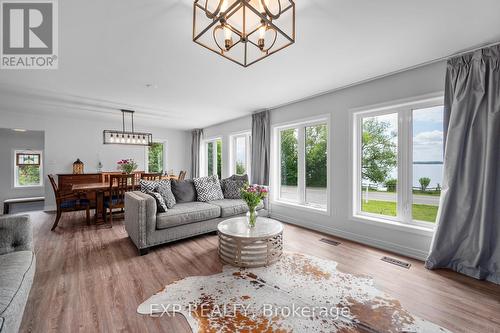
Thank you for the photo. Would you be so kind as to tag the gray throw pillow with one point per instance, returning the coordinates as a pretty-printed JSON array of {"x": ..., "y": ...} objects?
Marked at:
[
  {"x": 164, "y": 188},
  {"x": 183, "y": 190},
  {"x": 239, "y": 177},
  {"x": 161, "y": 206},
  {"x": 148, "y": 185},
  {"x": 208, "y": 188},
  {"x": 231, "y": 188}
]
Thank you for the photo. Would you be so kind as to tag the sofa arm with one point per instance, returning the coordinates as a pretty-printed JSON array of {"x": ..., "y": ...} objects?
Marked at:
[
  {"x": 140, "y": 216},
  {"x": 16, "y": 233}
]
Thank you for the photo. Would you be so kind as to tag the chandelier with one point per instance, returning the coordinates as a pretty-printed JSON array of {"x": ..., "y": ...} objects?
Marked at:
[
  {"x": 244, "y": 31},
  {"x": 124, "y": 137}
]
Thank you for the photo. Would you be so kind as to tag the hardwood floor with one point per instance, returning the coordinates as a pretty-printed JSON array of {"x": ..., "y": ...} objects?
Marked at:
[{"x": 91, "y": 279}]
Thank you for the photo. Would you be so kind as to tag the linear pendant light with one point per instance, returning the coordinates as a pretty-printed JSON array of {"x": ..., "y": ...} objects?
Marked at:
[{"x": 124, "y": 137}]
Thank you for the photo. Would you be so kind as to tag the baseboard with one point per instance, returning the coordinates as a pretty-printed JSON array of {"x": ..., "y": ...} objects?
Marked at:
[{"x": 379, "y": 244}]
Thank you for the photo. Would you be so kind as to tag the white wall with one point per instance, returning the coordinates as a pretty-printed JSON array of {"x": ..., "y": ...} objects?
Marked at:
[
  {"x": 9, "y": 142},
  {"x": 72, "y": 136},
  {"x": 409, "y": 84}
]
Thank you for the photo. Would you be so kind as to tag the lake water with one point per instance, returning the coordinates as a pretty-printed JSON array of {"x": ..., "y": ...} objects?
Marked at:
[{"x": 433, "y": 171}]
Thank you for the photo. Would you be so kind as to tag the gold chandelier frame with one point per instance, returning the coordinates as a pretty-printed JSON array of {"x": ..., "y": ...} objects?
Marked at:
[{"x": 220, "y": 21}]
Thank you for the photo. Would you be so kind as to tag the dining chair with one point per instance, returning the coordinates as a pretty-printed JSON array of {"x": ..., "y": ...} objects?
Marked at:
[
  {"x": 182, "y": 175},
  {"x": 151, "y": 176},
  {"x": 68, "y": 202},
  {"x": 118, "y": 186}
]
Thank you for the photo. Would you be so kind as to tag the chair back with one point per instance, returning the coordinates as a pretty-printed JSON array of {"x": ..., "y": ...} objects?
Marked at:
[
  {"x": 151, "y": 176},
  {"x": 119, "y": 184},
  {"x": 182, "y": 175},
  {"x": 54, "y": 185}
]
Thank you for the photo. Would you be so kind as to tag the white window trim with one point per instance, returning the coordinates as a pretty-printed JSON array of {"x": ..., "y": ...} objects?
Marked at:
[
  {"x": 276, "y": 170},
  {"x": 165, "y": 160},
  {"x": 204, "y": 154},
  {"x": 232, "y": 151},
  {"x": 15, "y": 184},
  {"x": 404, "y": 108}
]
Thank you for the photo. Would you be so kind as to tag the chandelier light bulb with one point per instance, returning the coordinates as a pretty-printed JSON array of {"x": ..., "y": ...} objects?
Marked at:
[{"x": 112, "y": 139}]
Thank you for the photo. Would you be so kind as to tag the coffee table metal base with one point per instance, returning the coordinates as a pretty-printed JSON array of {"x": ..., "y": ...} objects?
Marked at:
[{"x": 254, "y": 252}]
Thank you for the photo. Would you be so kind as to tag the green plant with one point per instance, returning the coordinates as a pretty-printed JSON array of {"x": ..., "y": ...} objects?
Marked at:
[
  {"x": 424, "y": 183},
  {"x": 240, "y": 168},
  {"x": 391, "y": 185}
]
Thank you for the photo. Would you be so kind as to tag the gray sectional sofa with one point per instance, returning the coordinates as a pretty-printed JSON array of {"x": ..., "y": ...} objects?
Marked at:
[
  {"x": 17, "y": 269},
  {"x": 148, "y": 228}
]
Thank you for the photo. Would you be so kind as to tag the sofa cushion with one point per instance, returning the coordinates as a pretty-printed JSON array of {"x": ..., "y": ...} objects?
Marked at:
[
  {"x": 148, "y": 185},
  {"x": 231, "y": 188},
  {"x": 161, "y": 206},
  {"x": 188, "y": 212},
  {"x": 183, "y": 190},
  {"x": 14, "y": 267},
  {"x": 240, "y": 177},
  {"x": 208, "y": 188},
  {"x": 231, "y": 207},
  {"x": 165, "y": 189}
]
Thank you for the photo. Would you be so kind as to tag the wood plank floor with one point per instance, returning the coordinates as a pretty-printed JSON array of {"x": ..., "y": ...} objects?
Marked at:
[{"x": 90, "y": 279}]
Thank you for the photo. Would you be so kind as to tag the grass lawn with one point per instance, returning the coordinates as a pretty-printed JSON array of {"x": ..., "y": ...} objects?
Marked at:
[{"x": 420, "y": 212}]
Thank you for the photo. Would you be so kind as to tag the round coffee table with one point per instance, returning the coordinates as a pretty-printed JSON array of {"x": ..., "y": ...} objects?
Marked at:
[{"x": 242, "y": 246}]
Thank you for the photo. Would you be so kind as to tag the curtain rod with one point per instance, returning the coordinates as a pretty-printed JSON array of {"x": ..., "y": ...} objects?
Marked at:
[
  {"x": 469, "y": 50},
  {"x": 430, "y": 62}
]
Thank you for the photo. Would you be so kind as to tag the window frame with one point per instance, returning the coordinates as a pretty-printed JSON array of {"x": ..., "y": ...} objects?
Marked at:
[
  {"x": 232, "y": 156},
  {"x": 15, "y": 166},
  {"x": 214, "y": 157},
  {"x": 404, "y": 110},
  {"x": 300, "y": 125}
]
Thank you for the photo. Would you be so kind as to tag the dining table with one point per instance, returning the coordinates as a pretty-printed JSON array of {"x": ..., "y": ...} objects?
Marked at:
[{"x": 100, "y": 189}]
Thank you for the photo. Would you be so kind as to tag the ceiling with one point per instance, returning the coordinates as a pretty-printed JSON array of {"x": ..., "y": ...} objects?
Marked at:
[{"x": 110, "y": 50}]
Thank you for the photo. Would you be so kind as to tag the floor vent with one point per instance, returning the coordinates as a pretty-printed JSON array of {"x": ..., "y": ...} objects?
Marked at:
[
  {"x": 396, "y": 262},
  {"x": 329, "y": 241}
]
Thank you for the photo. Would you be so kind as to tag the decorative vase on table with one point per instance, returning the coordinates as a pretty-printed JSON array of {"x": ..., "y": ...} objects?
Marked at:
[
  {"x": 253, "y": 195},
  {"x": 127, "y": 166}
]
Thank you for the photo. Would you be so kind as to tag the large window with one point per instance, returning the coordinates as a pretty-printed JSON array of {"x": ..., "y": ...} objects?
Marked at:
[
  {"x": 240, "y": 154},
  {"x": 303, "y": 164},
  {"x": 156, "y": 160},
  {"x": 213, "y": 158},
  {"x": 28, "y": 169},
  {"x": 399, "y": 158}
]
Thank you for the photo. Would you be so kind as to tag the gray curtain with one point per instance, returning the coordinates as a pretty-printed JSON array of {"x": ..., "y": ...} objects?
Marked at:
[
  {"x": 467, "y": 238},
  {"x": 197, "y": 136},
  {"x": 261, "y": 145}
]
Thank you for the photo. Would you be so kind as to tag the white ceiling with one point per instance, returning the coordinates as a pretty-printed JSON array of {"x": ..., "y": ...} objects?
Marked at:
[{"x": 110, "y": 50}]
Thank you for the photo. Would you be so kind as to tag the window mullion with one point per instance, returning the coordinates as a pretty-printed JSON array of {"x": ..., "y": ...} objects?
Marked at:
[
  {"x": 301, "y": 176},
  {"x": 404, "y": 165}
]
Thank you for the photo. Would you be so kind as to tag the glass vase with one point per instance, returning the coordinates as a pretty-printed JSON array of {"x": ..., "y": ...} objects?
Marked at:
[{"x": 251, "y": 217}]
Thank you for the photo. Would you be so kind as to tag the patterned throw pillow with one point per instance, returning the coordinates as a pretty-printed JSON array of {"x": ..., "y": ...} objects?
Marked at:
[
  {"x": 208, "y": 188},
  {"x": 161, "y": 206},
  {"x": 165, "y": 189},
  {"x": 231, "y": 188},
  {"x": 148, "y": 185}
]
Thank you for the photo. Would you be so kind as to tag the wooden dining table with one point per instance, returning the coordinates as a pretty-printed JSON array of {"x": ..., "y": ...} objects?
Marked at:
[{"x": 100, "y": 189}]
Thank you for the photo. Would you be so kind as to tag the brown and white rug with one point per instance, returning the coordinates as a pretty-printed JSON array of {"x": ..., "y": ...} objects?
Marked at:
[{"x": 299, "y": 293}]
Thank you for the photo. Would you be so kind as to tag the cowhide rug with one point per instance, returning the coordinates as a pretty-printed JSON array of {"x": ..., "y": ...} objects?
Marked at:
[{"x": 299, "y": 293}]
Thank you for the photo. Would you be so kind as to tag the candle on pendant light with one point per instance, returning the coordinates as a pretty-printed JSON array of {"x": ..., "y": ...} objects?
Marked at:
[{"x": 228, "y": 39}]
